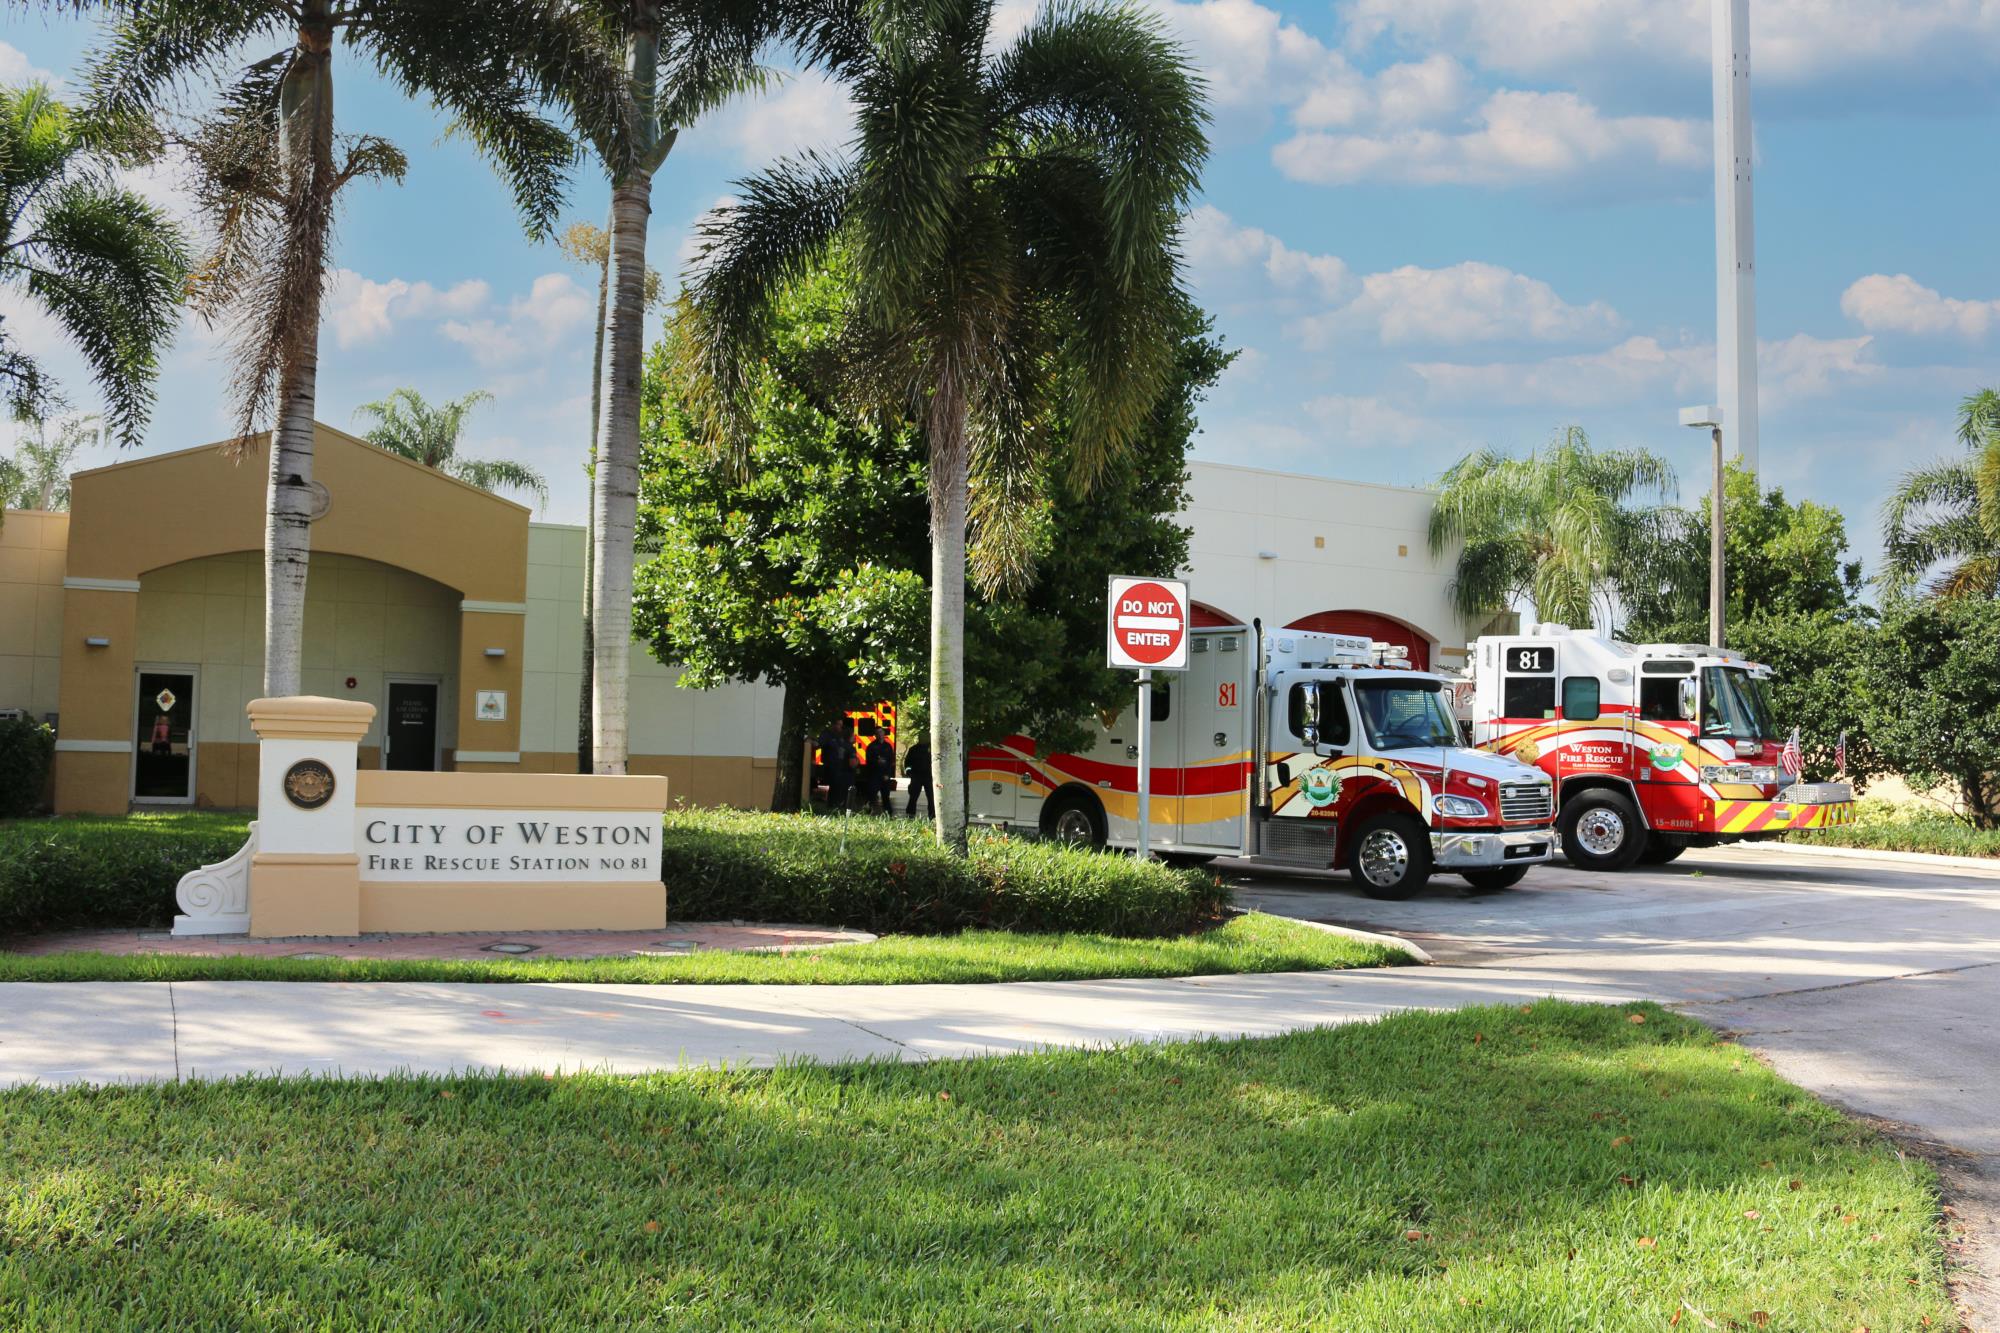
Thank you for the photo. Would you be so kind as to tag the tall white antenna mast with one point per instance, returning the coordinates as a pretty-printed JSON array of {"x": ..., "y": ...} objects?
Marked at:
[{"x": 1735, "y": 232}]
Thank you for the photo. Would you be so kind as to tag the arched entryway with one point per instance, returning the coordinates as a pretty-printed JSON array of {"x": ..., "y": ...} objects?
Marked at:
[{"x": 1380, "y": 628}]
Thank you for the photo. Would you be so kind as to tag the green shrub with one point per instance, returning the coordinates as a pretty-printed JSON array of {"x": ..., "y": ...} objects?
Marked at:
[
  {"x": 888, "y": 876},
  {"x": 1889, "y": 827},
  {"x": 26, "y": 750},
  {"x": 61, "y": 873}
]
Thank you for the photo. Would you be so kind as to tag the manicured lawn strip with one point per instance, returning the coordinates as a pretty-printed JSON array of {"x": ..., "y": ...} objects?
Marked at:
[
  {"x": 1935, "y": 834},
  {"x": 1550, "y": 1167},
  {"x": 1251, "y": 943}
]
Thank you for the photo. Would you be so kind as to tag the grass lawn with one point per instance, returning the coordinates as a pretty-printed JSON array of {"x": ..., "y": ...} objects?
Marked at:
[
  {"x": 1553, "y": 1167},
  {"x": 1252, "y": 943}
]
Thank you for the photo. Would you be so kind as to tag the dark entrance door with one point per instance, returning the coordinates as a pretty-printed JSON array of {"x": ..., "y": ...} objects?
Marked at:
[
  {"x": 163, "y": 768},
  {"x": 412, "y": 731}
]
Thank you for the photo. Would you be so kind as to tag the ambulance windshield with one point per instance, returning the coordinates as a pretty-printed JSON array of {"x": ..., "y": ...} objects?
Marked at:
[
  {"x": 1405, "y": 714},
  {"x": 1734, "y": 704}
]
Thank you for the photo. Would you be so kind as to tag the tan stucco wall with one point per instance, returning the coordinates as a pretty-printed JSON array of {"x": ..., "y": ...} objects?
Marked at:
[{"x": 32, "y": 543}]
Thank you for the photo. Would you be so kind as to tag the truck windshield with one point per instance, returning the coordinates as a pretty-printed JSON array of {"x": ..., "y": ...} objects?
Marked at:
[
  {"x": 1734, "y": 704},
  {"x": 1404, "y": 714}
]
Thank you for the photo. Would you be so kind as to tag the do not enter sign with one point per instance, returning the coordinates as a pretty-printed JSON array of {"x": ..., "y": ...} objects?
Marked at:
[{"x": 1147, "y": 624}]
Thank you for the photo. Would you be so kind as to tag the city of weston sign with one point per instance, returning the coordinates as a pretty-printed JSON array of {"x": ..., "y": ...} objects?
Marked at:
[{"x": 337, "y": 850}]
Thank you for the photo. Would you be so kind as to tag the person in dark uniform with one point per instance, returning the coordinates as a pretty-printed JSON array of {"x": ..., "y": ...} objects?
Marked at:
[
  {"x": 917, "y": 764},
  {"x": 881, "y": 774},
  {"x": 836, "y": 754}
]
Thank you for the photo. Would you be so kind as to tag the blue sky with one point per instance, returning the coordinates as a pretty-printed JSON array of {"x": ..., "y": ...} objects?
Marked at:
[{"x": 1428, "y": 225}]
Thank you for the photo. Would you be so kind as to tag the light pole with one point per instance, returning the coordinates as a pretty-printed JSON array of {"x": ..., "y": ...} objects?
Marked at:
[{"x": 1710, "y": 417}]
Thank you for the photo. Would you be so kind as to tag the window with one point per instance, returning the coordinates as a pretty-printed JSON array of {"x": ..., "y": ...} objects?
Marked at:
[
  {"x": 1318, "y": 704},
  {"x": 1163, "y": 700},
  {"x": 1660, "y": 698},
  {"x": 1403, "y": 715},
  {"x": 1581, "y": 699},
  {"x": 1529, "y": 696}
]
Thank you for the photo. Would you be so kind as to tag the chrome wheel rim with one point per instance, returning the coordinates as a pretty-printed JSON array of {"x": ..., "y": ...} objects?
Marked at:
[
  {"x": 1601, "y": 831},
  {"x": 1074, "y": 826},
  {"x": 1385, "y": 858}
]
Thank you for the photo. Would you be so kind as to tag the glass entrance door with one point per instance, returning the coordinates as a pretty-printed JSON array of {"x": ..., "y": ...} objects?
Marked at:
[
  {"x": 163, "y": 759},
  {"x": 410, "y": 737}
]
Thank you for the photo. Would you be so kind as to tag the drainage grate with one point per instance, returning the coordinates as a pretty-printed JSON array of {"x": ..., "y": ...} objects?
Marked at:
[{"x": 509, "y": 947}]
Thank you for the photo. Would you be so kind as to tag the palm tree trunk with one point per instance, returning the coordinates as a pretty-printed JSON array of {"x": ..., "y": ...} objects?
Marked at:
[
  {"x": 306, "y": 143},
  {"x": 948, "y": 487},
  {"x": 615, "y": 497},
  {"x": 583, "y": 698}
]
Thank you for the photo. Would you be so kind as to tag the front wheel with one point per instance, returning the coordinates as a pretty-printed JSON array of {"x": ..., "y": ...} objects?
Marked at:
[
  {"x": 1601, "y": 830},
  {"x": 1390, "y": 856},
  {"x": 1492, "y": 881}
]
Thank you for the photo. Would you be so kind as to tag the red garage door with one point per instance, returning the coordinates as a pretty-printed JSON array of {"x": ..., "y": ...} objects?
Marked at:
[{"x": 1379, "y": 628}]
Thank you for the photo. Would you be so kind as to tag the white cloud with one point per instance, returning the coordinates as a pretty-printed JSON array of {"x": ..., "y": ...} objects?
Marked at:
[
  {"x": 1249, "y": 55},
  {"x": 537, "y": 322},
  {"x": 1801, "y": 366},
  {"x": 361, "y": 309},
  {"x": 1882, "y": 304},
  {"x": 1513, "y": 137},
  {"x": 805, "y": 111},
  {"x": 1792, "y": 41},
  {"x": 1216, "y": 245},
  {"x": 16, "y": 69},
  {"x": 1469, "y": 302},
  {"x": 1352, "y": 419}
]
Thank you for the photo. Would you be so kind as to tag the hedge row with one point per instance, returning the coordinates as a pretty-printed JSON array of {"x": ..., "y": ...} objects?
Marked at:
[
  {"x": 58, "y": 874},
  {"x": 883, "y": 875},
  {"x": 888, "y": 875}
]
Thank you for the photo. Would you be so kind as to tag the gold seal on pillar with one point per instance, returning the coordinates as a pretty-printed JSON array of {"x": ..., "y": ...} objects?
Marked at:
[{"x": 309, "y": 784}]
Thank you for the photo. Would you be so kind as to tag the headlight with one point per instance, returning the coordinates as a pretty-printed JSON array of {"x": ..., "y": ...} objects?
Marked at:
[
  {"x": 1754, "y": 774},
  {"x": 1459, "y": 807}
]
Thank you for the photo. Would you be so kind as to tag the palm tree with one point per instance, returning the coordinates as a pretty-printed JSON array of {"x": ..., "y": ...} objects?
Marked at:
[
  {"x": 1949, "y": 513},
  {"x": 1555, "y": 527},
  {"x": 1009, "y": 219},
  {"x": 682, "y": 58},
  {"x": 411, "y": 428},
  {"x": 37, "y": 477},
  {"x": 106, "y": 265},
  {"x": 268, "y": 168}
]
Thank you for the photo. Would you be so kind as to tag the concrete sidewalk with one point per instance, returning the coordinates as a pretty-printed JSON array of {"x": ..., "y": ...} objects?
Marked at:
[{"x": 56, "y": 1033}]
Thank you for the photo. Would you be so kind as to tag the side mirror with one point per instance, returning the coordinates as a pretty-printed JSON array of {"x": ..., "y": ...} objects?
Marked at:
[
  {"x": 1687, "y": 699},
  {"x": 1309, "y": 734}
]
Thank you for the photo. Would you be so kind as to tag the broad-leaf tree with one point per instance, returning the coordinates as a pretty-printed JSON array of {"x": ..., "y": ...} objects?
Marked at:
[
  {"x": 1944, "y": 520},
  {"x": 268, "y": 167},
  {"x": 1557, "y": 527},
  {"x": 1782, "y": 558},
  {"x": 809, "y": 569},
  {"x": 104, "y": 264},
  {"x": 1010, "y": 216},
  {"x": 1932, "y": 685},
  {"x": 428, "y": 433}
]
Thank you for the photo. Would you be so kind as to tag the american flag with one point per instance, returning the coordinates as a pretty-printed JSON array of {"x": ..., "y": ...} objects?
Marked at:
[
  {"x": 1840, "y": 755},
  {"x": 1793, "y": 760}
]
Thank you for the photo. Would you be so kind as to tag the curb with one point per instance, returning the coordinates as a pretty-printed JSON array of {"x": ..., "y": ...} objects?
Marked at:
[
  {"x": 1989, "y": 864},
  {"x": 1415, "y": 951}
]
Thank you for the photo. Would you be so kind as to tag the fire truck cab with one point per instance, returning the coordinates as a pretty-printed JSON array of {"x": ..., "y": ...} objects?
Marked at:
[
  {"x": 1654, "y": 747},
  {"x": 1296, "y": 750}
]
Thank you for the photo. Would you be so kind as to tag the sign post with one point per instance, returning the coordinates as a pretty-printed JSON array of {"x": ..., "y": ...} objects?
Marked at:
[{"x": 1146, "y": 630}]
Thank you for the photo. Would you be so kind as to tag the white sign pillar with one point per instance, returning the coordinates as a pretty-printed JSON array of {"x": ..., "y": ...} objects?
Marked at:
[{"x": 1735, "y": 232}]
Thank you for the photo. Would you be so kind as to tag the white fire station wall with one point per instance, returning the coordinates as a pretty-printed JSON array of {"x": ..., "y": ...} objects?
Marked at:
[{"x": 1283, "y": 546}]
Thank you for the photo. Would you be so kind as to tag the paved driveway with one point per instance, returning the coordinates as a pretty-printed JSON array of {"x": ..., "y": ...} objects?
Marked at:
[{"x": 1871, "y": 981}]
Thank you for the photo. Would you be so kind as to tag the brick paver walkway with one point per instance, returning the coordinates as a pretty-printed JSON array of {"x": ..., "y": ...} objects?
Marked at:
[{"x": 676, "y": 938}]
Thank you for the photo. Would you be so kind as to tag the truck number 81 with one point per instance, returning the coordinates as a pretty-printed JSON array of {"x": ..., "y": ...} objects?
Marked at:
[{"x": 1225, "y": 694}]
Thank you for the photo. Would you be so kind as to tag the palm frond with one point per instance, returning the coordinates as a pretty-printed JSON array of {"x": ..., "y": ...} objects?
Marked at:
[{"x": 499, "y": 474}]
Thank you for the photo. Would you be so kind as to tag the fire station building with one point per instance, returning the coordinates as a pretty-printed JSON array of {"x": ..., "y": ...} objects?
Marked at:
[{"x": 134, "y": 622}]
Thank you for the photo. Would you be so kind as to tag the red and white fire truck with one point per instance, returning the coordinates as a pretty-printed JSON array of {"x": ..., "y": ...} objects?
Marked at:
[
  {"x": 1654, "y": 747},
  {"x": 1294, "y": 749}
]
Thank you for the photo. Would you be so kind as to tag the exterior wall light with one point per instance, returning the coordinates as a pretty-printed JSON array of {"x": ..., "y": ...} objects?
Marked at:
[
  {"x": 96, "y": 642},
  {"x": 496, "y": 652}
]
